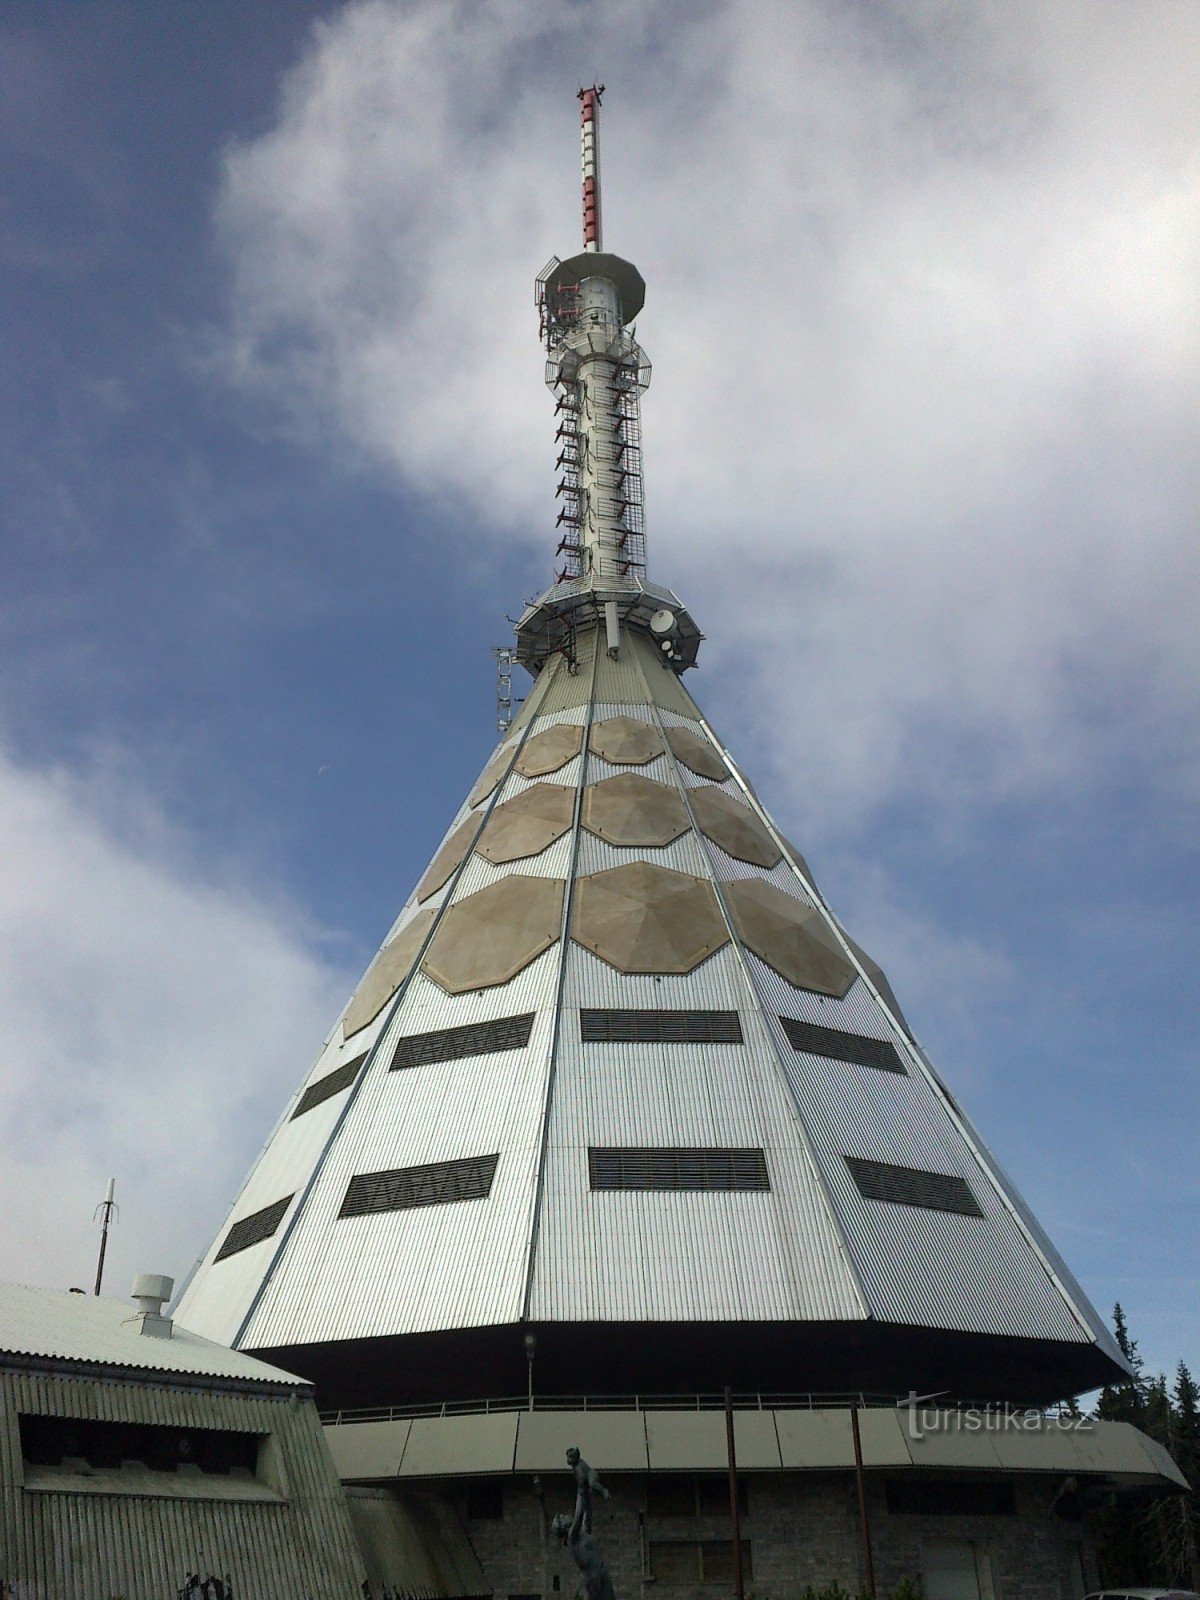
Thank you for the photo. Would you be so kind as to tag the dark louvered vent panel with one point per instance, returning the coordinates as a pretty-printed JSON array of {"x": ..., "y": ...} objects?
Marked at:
[
  {"x": 640, "y": 1168},
  {"x": 906, "y": 1186},
  {"x": 660, "y": 1027},
  {"x": 838, "y": 1046},
  {"x": 325, "y": 1088},
  {"x": 451, "y": 1044},
  {"x": 250, "y": 1230},
  {"x": 404, "y": 1188}
]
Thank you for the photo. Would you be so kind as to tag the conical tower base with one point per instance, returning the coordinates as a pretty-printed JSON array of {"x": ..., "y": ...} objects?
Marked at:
[{"x": 619, "y": 1079}]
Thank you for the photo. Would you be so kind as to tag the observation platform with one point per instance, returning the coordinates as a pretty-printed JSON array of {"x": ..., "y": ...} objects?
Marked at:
[{"x": 772, "y": 1433}]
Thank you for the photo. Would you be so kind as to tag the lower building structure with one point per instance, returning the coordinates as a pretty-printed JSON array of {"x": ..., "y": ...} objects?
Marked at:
[
  {"x": 956, "y": 1505},
  {"x": 141, "y": 1462}
]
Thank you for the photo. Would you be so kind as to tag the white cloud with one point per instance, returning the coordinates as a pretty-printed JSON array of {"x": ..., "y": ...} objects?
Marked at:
[
  {"x": 157, "y": 1022},
  {"x": 923, "y": 318}
]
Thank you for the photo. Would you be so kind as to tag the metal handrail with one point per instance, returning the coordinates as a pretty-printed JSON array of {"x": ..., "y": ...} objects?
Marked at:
[{"x": 808, "y": 1401}]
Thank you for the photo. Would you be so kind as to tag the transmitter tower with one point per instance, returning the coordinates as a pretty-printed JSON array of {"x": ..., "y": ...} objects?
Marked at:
[{"x": 620, "y": 1100}]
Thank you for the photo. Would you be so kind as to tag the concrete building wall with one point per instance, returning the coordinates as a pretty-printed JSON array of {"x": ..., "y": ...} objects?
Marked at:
[{"x": 74, "y": 1534}]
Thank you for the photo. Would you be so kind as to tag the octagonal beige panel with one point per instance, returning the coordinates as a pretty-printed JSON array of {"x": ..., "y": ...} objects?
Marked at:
[
  {"x": 799, "y": 861},
  {"x": 528, "y": 823},
  {"x": 697, "y": 754},
  {"x": 448, "y": 859},
  {"x": 491, "y": 775},
  {"x": 386, "y": 973},
  {"x": 734, "y": 827},
  {"x": 643, "y": 918},
  {"x": 625, "y": 741},
  {"x": 879, "y": 978},
  {"x": 632, "y": 810},
  {"x": 546, "y": 752},
  {"x": 789, "y": 936},
  {"x": 490, "y": 936}
]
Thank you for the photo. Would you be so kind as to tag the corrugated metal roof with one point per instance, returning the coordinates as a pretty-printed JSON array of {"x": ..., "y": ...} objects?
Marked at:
[{"x": 48, "y": 1325}]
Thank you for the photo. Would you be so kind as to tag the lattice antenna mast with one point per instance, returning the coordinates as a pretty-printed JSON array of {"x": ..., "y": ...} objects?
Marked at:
[{"x": 597, "y": 372}]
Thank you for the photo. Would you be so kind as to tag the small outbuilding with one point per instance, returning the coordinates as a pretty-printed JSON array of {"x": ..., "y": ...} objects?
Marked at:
[{"x": 140, "y": 1461}]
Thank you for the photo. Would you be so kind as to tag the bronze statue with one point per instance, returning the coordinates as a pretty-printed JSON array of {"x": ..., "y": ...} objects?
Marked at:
[{"x": 576, "y": 1532}]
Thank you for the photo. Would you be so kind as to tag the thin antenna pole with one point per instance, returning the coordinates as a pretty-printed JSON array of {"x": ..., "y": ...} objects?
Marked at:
[
  {"x": 104, "y": 1211},
  {"x": 589, "y": 134}
]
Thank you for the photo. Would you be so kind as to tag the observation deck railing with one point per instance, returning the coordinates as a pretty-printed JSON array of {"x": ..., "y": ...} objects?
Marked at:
[{"x": 610, "y": 1402}]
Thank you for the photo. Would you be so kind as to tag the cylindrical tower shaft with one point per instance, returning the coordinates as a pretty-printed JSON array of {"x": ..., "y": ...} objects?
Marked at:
[{"x": 598, "y": 372}]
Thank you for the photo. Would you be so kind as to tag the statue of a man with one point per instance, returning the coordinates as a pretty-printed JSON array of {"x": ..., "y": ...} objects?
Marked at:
[{"x": 587, "y": 1482}]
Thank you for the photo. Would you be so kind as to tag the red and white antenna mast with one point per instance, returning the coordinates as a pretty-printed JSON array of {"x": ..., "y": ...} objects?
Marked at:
[
  {"x": 589, "y": 134},
  {"x": 597, "y": 372}
]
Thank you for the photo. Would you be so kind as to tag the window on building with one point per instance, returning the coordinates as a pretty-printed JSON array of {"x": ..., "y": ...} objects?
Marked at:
[
  {"x": 810, "y": 1039},
  {"x": 455, "y": 1044},
  {"x": 697, "y": 1560},
  {"x": 949, "y": 1497},
  {"x": 485, "y": 1500},
  {"x": 660, "y": 1027},
  {"x": 259, "y": 1225},
  {"x": 325, "y": 1088},
  {"x": 645, "y": 1168},
  {"x": 84, "y": 1444},
  {"x": 438, "y": 1183},
  {"x": 690, "y": 1495},
  {"x": 909, "y": 1186}
]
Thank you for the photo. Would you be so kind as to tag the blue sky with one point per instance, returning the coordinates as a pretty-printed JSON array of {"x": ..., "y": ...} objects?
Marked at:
[{"x": 921, "y": 456}]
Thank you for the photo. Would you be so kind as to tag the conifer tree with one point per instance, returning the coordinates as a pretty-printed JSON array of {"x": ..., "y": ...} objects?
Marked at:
[
  {"x": 1125, "y": 1402},
  {"x": 1185, "y": 1447},
  {"x": 1129, "y": 1543}
]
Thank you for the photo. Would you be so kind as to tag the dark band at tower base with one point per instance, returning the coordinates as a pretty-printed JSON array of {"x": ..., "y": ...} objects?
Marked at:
[{"x": 600, "y": 1359}]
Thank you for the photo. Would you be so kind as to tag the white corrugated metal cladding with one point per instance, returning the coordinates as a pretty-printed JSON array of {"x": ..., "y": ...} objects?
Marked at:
[{"x": 547, "y": 1246}]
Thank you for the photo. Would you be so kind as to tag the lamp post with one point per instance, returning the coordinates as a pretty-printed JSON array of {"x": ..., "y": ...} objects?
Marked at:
[{"x": 530, "y": 1349}]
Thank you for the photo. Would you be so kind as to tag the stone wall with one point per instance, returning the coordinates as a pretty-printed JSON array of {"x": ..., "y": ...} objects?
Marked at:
[{"x": 802, "y": 1529}]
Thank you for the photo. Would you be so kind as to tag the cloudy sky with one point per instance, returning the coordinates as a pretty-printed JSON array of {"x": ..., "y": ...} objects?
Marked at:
[{"x": 923, "y": 457}]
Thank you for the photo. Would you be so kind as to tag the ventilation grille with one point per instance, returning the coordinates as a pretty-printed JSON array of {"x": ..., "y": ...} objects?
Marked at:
[
  {"x": 253, "y": 1229},
  {"x": 404, "y": 1188},
  {"x": 660, "y": 1027},
  {"x": 628, "y": 1168},
  {"x": 905, "y": 1186},
  {"x": 838, "y": 1046},
  {"x": 325, "y": 1088},
  {"x": 452, "y": 1044}
]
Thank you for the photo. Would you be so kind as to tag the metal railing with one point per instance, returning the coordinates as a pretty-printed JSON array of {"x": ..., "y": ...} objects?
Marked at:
[{"x": 799, "y": 1401}]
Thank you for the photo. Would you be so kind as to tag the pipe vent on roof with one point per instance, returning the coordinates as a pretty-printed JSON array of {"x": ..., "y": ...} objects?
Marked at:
[{"x": 151, "y": 1291}]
